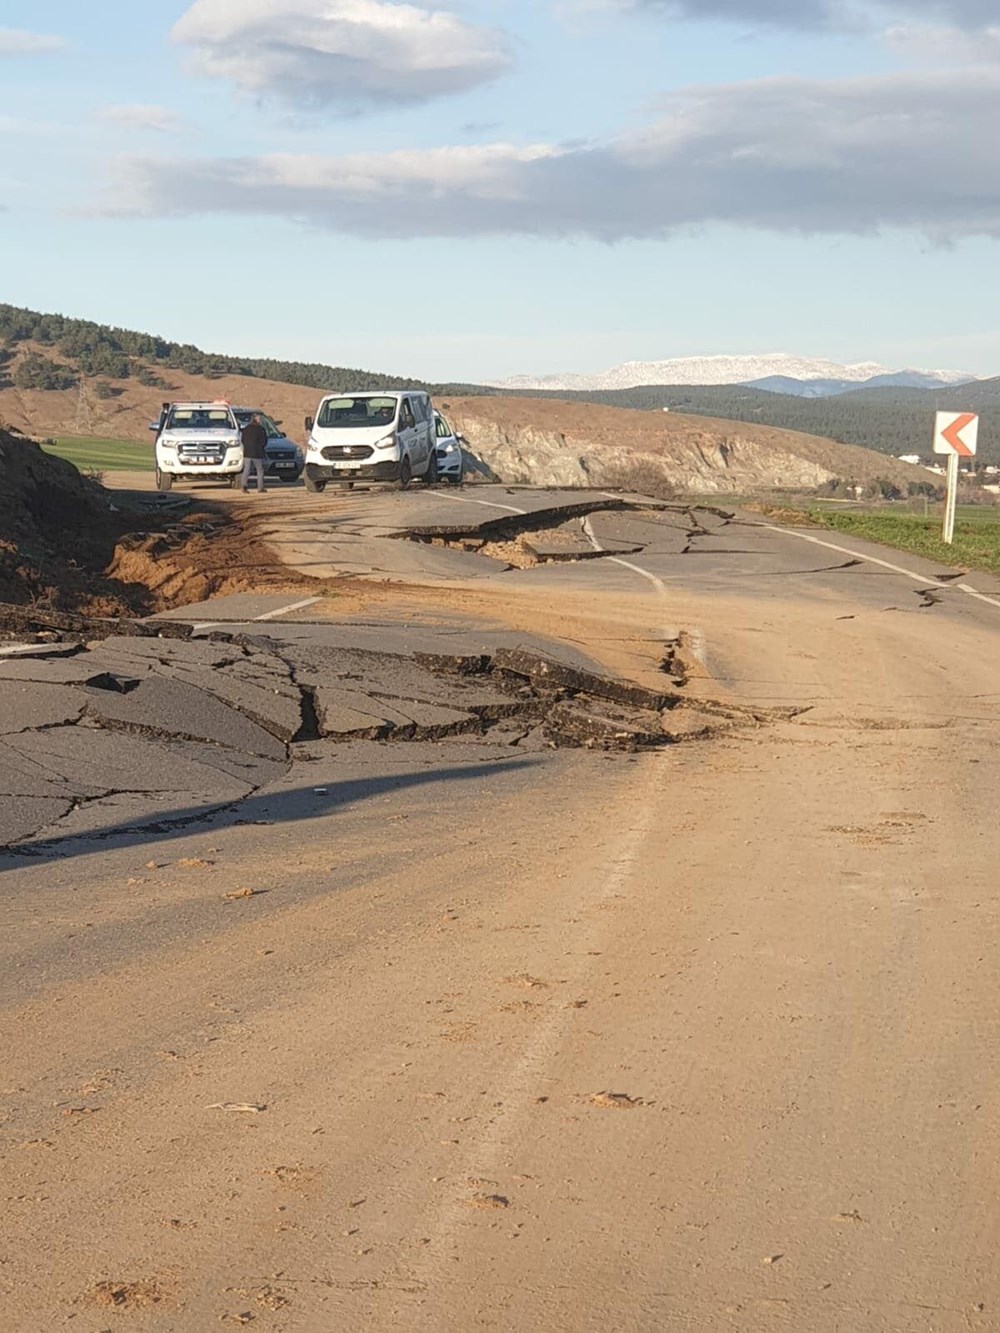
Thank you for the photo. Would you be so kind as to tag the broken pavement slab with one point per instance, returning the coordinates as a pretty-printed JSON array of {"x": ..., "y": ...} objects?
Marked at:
[
  {"x": 509, "y": 526},
  {"x": 87, "y": 763},
  {"x": 173, "y": 708},
  {"x": 37, "y": 650},
  {"x": 27, "y": 706},
  {"x": 68, "y": 625},
  {"x": 133, "y": 735},
  {"x": 598, "y": 724},
  {"x": 353, "y": 714},
  {"x": 541, "y": 669},
  {"x": 571, "y": 542}
]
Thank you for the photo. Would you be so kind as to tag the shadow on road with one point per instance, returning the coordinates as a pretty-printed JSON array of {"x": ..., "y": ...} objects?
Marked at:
[{"x": 274, "y": 807}]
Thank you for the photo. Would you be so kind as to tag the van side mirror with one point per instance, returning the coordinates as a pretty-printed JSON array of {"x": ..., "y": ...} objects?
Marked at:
[{"x": 310, "y": 422}]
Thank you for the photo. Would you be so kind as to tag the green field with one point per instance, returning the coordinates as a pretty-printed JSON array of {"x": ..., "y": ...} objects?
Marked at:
[
  {"x": 91, "y": 455},
  {"x": 977, "y": 534}
]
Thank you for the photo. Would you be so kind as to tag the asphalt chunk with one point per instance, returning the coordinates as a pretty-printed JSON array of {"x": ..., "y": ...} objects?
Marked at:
[
  {"x": 25, "y": 705},
  {"x": 176, "y": 710}
]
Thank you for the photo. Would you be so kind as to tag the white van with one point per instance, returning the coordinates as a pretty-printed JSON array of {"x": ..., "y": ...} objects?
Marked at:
[
  {"x": 196, "y": 441},
  {"x": 384, "y": 436}
]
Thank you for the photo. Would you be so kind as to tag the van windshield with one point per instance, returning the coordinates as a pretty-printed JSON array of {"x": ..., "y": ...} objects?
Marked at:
[{"x": 355, "y": 413}]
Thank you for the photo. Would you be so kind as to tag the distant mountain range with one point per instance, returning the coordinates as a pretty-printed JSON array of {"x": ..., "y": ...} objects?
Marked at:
[{"x": 802, "y": 377}]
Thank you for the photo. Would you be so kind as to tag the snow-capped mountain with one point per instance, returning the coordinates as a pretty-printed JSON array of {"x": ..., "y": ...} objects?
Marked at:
[{"x": 735, "y": 370}]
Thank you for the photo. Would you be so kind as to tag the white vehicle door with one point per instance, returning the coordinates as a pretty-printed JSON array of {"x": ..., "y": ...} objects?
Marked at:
[
  {"x": 426, "y": 427},
  {"x": 409, "y": 436}
]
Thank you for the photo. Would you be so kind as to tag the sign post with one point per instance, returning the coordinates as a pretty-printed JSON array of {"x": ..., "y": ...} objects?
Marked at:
[{"x": 955, "y": 434}]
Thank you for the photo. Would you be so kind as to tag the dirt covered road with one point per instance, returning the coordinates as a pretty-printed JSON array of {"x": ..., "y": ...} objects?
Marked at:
[{"x": 698, "y": 1039}]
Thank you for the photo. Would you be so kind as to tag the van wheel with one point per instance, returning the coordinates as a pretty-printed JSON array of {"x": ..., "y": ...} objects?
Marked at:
[
  {"x": 316, "y": 487},
  {"x": 405, "y": 475},
  {"x": 164, "y": 480}
]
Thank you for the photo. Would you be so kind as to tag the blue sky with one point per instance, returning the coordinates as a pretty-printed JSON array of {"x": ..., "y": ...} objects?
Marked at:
[{"x": 485, "y": 189}]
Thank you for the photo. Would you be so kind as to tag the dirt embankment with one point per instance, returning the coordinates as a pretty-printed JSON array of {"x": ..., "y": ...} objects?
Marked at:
[
  {"x": 550, "y": 442},
  {"x": 67, "y": 544},
  {"x": 58, "y": 534}
]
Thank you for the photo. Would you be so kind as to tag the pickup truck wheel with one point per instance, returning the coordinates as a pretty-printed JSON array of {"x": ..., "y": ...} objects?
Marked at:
[
  {"x": 316, "y": 487},
  {"x": 456, "y": 480},
  {"x": 405, "y": 475},
  {"x": 164, "y": 480},
  {"x": 234, "y": 481}
]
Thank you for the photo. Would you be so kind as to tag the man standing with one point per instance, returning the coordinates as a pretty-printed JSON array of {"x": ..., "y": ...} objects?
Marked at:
[{"x": 254, "y": 438}]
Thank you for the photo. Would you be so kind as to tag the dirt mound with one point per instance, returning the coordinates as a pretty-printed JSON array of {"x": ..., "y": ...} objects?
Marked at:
[
  {"x": 67, "y": 544},
  {"x": 58, "y": 533},
  {"x": 206, "y": 554}
]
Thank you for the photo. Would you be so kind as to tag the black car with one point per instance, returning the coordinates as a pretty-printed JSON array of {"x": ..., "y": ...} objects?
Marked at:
[{"x": 283, "y": 458}]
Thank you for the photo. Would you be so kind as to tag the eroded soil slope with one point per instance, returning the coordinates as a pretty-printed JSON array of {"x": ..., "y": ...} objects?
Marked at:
[
  {"x": 58, "y": 533},
  {"x": 67, "y": 544},
  {"x": 550, "y": 442}
]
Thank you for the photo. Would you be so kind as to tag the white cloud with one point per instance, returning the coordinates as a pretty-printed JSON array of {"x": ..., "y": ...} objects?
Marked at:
[
  {"x": 913, "y": 151},
  {"x": 139, "y": 116},
  {"x": 843, "y": 14},
  {"x": 945, "y": 46},
  {"x": 347, "y": 55},
  {"x": 18, "y": 42}
]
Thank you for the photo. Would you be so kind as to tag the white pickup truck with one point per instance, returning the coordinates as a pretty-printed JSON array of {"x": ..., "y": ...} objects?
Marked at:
[{"x": 197, "y": 441}]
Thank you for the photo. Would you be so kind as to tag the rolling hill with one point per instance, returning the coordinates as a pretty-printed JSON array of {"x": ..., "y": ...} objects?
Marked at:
[{"x": 72, "y": 378}]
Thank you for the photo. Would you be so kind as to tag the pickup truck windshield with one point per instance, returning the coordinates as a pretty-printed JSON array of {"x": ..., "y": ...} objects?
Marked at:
[
  {"x": 357, "y": 413},
  {"x": 200, "y": 418}
]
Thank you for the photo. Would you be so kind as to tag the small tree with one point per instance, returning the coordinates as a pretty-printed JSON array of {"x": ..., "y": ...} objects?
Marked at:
[
  {"x": 148, "y": 377},
  {"x": 35, "y": 372}
]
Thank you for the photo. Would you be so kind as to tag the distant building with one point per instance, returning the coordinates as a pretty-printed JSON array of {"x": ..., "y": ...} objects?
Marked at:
[{"x": 910, "y": 458}]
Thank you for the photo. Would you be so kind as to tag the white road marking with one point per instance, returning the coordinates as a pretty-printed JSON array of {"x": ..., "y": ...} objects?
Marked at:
[
  {"x": 287, "y": 610},
  {"x": 269, "y": 615},
  {"x": 979, "y": 596},
  {"x": 885, "y": 564},
  {"x": 658, "y": 584},
  {"x": 490, "y": 504}
]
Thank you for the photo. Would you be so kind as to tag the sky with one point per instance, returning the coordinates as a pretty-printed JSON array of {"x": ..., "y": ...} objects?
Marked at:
[{"x": 486, "y": 189}]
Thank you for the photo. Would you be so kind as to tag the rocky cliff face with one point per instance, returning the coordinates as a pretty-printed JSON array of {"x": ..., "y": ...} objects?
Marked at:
[{"x": 525, "y": 441}]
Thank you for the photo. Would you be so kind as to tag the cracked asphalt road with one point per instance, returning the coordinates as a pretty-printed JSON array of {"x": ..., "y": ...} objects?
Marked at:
[{"x": 526, "y": 1038}]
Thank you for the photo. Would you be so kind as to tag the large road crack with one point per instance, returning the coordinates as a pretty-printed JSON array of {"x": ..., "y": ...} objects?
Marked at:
[{"x": 215, "y": 721}]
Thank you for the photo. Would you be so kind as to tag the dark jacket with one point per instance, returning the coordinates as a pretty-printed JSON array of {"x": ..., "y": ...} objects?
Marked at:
[{"x": 254, "y": 439}]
